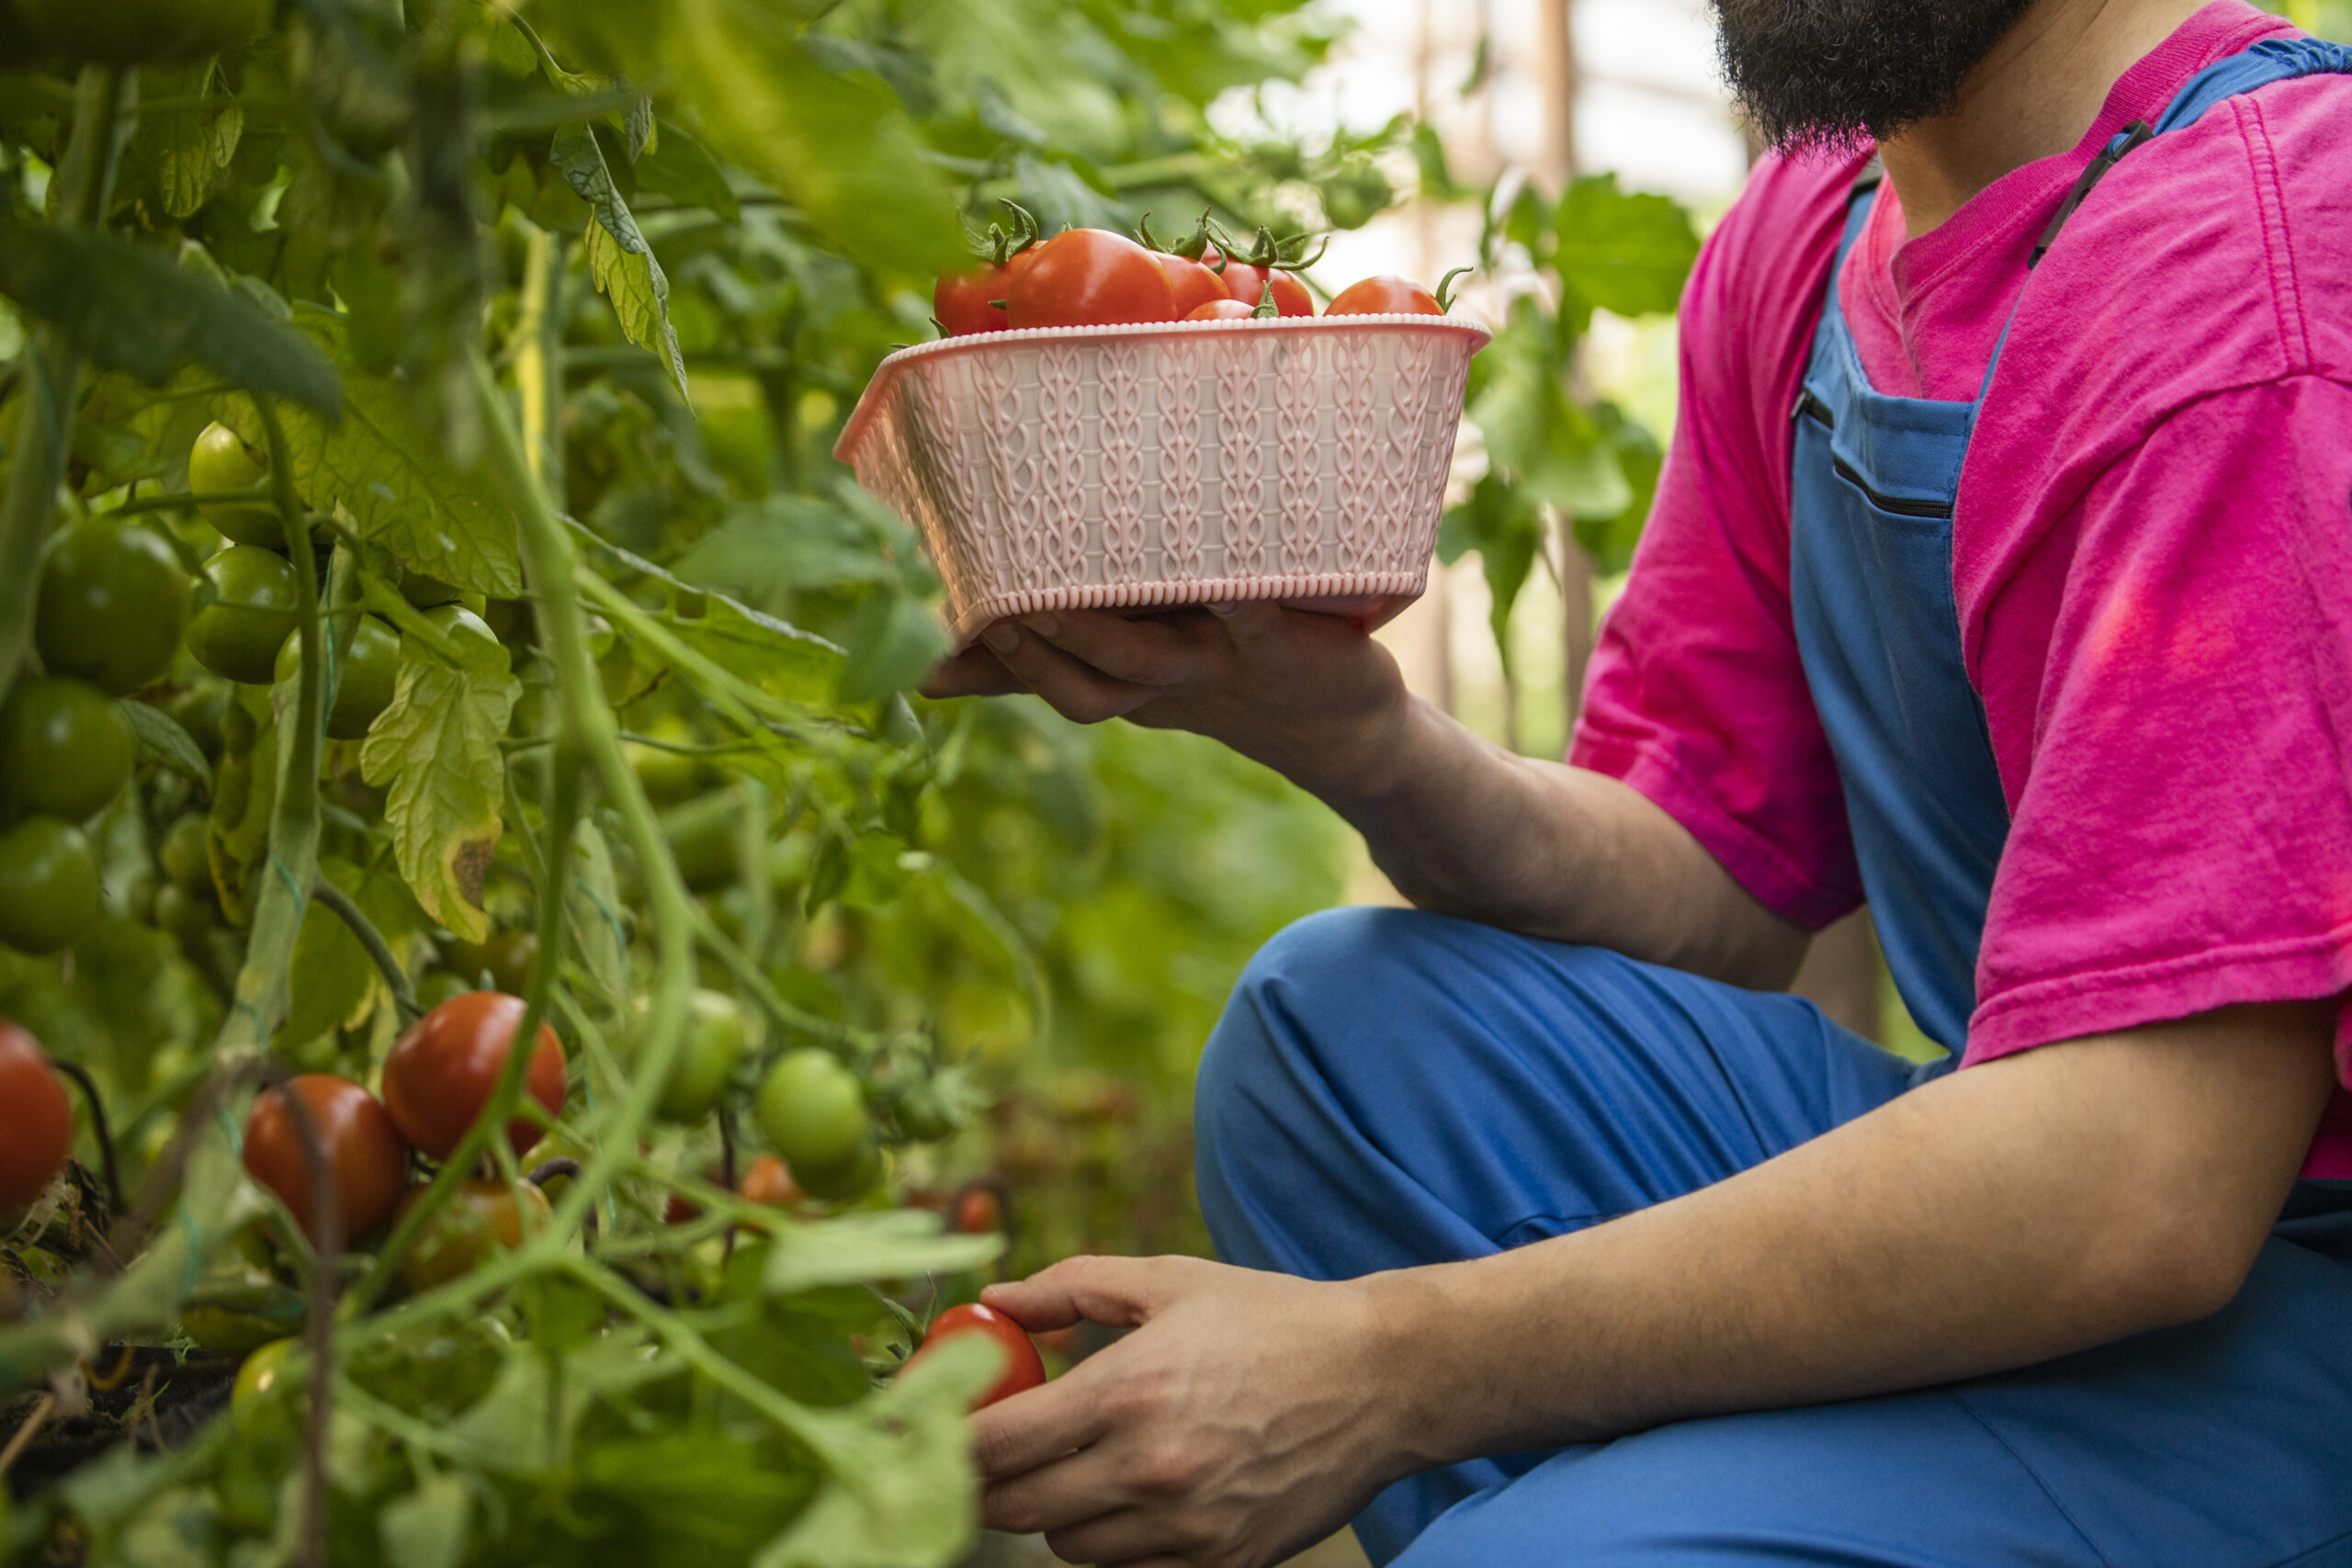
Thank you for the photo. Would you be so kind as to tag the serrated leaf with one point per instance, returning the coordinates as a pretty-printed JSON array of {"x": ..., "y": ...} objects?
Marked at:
[
  {"x": 164, "y": 742},
  {"x": 426, "y": 1528},
  {"x": 436, "y": 748},
  {"x": 198, "y": 142},
  {"x": 618, "y": 256},
  {"x": 893, "y": 643},
  {"x": 130, "y": 307},
  {"x": 387, "y": 469},
  {"x": 1625, "y": 252},
  {"x": 901, "y": 1491},
  {"x": 781, "y": 659},
  {"x": 682, "y": 168},
  {"x": 852, "y": 1249}
]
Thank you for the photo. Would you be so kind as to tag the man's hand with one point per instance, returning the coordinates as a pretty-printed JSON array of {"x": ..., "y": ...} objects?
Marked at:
[
  {"x": 1311, "y": 695},
  {"x": 1240, "y": 1426}
]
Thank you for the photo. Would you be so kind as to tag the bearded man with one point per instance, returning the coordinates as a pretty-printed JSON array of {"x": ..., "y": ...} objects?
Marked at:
[{"x": 2001, "y": 574}]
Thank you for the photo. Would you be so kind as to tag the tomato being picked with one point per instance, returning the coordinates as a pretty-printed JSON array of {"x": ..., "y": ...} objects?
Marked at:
[
  {"x": 39, "y": 1124},
  {"x": 1089, "y": 277},
  {"x": 438, "y": 1076},
  {"x": 363, "y": 1150},
  {"x": 1024, "y": 1369}
]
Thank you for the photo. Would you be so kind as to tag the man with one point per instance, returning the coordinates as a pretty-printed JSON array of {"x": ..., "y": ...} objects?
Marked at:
[{"x": 1563, "y": 1239}]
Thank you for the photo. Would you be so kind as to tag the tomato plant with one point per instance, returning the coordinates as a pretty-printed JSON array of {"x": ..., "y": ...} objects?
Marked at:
[
  {"x": 113, "y": 602},
  {"x": 40, "y": 1123},
  {"x": 487, "y": 1216},
  {"x": 1021, "y": 1367},
  {"x": 65, "y": 749},
  {"x": 364, "y": 676},
  {"x": 49, "y": 885},
  {"x": 364, "y": 1157},
  {"x": 439, "y": 1073},
  {"x": 254, "y": 610}
]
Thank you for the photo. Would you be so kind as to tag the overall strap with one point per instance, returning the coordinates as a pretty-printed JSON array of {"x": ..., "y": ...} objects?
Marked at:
[{"x": 2272, "y": 60}]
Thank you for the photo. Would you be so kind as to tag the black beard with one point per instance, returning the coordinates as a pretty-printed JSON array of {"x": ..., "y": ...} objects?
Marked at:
[{"x": 1826, "y": 73}]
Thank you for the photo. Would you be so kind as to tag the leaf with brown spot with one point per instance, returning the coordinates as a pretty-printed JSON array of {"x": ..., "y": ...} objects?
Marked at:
[{"x": 436, "y": 748}]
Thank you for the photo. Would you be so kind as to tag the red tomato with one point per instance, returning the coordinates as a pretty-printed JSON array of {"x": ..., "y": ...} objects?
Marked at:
[
  {"x": 439, "y": 1075},
  {"x": 1089, "y": 277},
  {"x": 1384, "y": 296},
  {"x": 39, "y": 1122},
  {"x": 1023, "y": 1367},
  {"x": 363, "y": 1149},
  {"x": 978, "y": 1212},
  {"x": 769, "y": 1180},
  {"x": 1226, "y": 309},
  {"x": 1248, "y": 284},
  {"x": 1192, "y": 285},
  {"x": 960, "y": 300},
  {"x": 482, "y": 1217}
]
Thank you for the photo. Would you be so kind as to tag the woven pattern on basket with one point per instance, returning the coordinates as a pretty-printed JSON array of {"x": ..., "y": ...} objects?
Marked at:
[{"x": 1295, "y": 458}]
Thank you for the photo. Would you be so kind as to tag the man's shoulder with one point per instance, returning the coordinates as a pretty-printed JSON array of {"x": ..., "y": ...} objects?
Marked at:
[{"x": 1772, "y": 250}]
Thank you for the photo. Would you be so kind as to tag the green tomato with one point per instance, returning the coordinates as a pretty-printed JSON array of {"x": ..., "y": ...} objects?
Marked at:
[
  {"x": 814, "y": 1113},
  {"x": 185, "y": 856},
  {"x": 239, "y": 633},
  {"x": 504, "y": 956},
  {"x": 201, "y": 711},
  {"x": 852, "y": 1177},
  {"x": 363, "y": 686},
  {"x": 716, "y": 1032},
  {"x": 438, "y": 985},
  {"x": 220, "y": 462},
  {"x": 479, "y": 650},
  {"x": 669, "y": 776},
  {"x": 181, "y": 913},
  {"x": 65, "y": 749},
  {"x": 133, "y": 32},
  {"x": 49, "y": 885},
  {"x": 113, "y": 601},
  {"x": 925, "y": 1117},
  {"x": 266, "y": 1370},
  {"x": 218, "y": 1331}
]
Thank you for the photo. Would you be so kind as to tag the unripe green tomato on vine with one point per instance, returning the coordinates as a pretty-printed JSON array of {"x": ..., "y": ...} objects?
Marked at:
[
  {"x": 438, "y": 985},
  {"x": 479, "y": 650},
  {"x": 481, "y": 1217},
  {"x": 220, "y": 462},
  {"x": 852, "y": 1177},
  {"x": 431, "y": 592},
  {"x": 182, "y": 914},
  {"x": 812, "y": 1111},
  {"x": 363, "y": 685},
  {"x": 259, "y": 1379},
  {"x": 716, "y": 1034},
  {"x": 49, "y": 885},
  {"x": 504, "y": 956},
  {"x": 201, "y": 711},
  {"x": 238, "y": 634},
  {"x": 113, "y": 602},
  {"x": 186, "y": 857},
  {"x": 134, "y": 33},
  {"x": 65, "y": 749}
]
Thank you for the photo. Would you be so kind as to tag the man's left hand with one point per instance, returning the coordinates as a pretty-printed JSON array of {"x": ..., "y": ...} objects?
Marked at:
[{"x": 1240, "y": 1422}]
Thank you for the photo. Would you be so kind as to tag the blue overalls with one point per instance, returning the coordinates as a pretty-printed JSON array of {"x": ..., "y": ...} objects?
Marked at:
[{"x": 1389, "y": 1088}]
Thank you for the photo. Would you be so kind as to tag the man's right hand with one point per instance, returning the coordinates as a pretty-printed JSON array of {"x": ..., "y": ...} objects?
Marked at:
[{"x": 1310, "y": 696}]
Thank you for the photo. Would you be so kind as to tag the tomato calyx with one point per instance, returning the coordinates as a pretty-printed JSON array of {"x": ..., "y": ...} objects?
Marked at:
[
  {"x": 999, "y": 245},
  {"x": 1445, "y": 287},
  {"x": 1265, "y": 251}
]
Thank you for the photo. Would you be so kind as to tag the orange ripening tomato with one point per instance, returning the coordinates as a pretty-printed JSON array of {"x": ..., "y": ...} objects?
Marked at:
[
  {"x": 38, "y": 1123},
  {"x": 769, "y": 1180},
  {"x": 1024, "y": 1369},
  {"x": 1384, "y": 296},
  {"x": 363, "y": 1150},
  {"x": 1089, "y": 277},
  {"x": 1226, "y": 310},
  {"x": 961, "y": 301},
  {"x": 439, "y": 1075},
  {"x": 978, "y": 1211},
  {"x": 1192, "y": 285},
  {"x": 1248, "y": 284}
]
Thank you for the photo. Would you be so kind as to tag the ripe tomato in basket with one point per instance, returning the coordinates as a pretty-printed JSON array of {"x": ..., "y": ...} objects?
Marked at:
[
  {"x": 1193, "y": 284},
  {"x": 1248, "y": 284},
  {"x": 1383, "y": 296},
  {"x": 1089, "y": 277},
  {"x": 1226, "y": 309},
  {"x": 961, "y": 301}
]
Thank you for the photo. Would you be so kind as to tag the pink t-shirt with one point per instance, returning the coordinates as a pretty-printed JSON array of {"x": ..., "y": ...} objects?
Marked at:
[{"x": 2151, "y": 556}]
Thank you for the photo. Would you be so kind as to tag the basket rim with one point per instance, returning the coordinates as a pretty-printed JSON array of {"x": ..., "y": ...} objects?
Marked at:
[{"x": 869, "y": 402}]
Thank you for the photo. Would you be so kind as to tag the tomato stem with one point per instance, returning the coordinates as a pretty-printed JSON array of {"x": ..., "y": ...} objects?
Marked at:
[
  {"x": 379, "y": 951},
  {"x": 98, "y": 1130}
]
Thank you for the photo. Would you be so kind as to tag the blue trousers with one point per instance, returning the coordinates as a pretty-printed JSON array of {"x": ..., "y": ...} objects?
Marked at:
[{"x": 1389, "y": 1088}]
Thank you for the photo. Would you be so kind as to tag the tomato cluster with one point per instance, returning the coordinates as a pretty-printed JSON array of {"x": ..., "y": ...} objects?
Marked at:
[{"x": 1084, "y": 277}]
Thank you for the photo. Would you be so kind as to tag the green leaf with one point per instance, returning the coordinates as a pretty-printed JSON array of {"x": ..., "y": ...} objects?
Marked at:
[
  {"x": 426, "y": 1528},
  {"x": 618, "y": 256},
  {"x": 593, "y": 906},
  {"x": 694, "y": 1497},
  {"x": 893, "y": 643},
  {"x": 129, "y": 307},
  {"x": 838, "y": 146},
  {"x": 1611, "y": 540},
  {"x": 1551, "y": 448},
  {"x": 1507, "y": 530},
  {"x": 387, "y": 468},
  {"x": 163, "y": 742},
  {"x": 436, "y": 748},
  {"x": 785, "y": 542},
  {"x": 682, "y": 168},
  {"x": 1622, "y": 251},
  {"x": 332, "y": 979},
  {"x": 851, "y": 1249},
  {"x": 781, "y": 659}
]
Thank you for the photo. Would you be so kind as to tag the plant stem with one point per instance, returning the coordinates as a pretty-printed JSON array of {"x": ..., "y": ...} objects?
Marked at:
[
  {"x": 53, "y": 371},
  {"x": 379, "y": 951},
  {"x": 98, "y": 1128}
]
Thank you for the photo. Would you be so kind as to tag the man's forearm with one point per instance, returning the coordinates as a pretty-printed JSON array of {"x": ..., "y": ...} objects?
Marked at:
[
  {"x": 1990, "y": 1220},
  {"x": 1462, "y": 826}
]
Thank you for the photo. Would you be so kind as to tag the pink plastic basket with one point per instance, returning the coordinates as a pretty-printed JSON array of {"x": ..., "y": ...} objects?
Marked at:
[{"x": 1297, "y": 458}]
